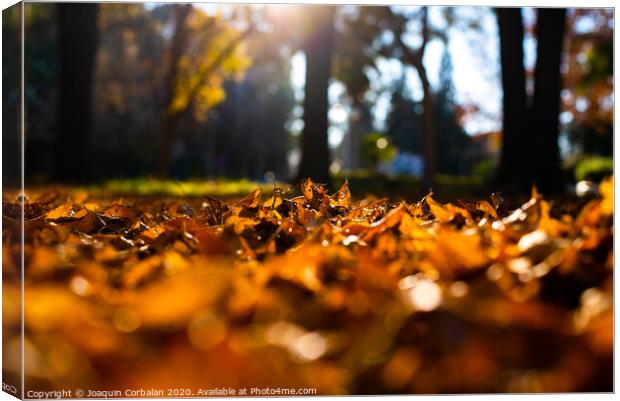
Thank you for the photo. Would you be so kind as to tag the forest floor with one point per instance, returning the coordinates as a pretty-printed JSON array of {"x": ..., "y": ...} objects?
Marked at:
[{"x": 340, "y": 294}]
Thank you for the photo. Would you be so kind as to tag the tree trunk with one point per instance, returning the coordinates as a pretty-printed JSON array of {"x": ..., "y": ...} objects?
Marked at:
[
  {"x": 169, "y": 119},
  {"x": 77, "y": 42},
  {"x": 168, "y": 122},
  {"x": 318, "y": 47},
  {"x": 416, "y": 59},
  {"x": 546, "y": 106},
  {"x": 430, "y": 149},
  {"x": 359, "y": 125},
  {"x": 514, "y": 165}
]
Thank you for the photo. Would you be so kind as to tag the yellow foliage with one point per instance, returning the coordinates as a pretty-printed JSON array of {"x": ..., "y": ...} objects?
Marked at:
[
  {"x": 607, "y": 192},
  {"x": 211, "y": 59}
]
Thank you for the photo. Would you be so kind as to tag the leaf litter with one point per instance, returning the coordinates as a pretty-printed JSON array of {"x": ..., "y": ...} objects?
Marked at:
[{"x": 347, "y": 296}]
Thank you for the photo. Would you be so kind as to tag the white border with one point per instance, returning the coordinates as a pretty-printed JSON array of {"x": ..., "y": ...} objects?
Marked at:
[{"x": 543, "y": 3}]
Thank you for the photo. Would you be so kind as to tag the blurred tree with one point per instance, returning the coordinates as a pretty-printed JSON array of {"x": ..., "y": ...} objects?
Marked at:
[
  {"x": 379, "y": 31},
  {"x": 350, "y": 58},
  {"x": 415, "y": 58},
  {"x": 127, "y": 90},
  {"x": 544, "y": 147},
  {"x": 132, "y": 86},
  {"x": 452, "y": 140},
  {"x": 77, "y": 24},
  {"x": 318, "y": 47},
  {"x": 42, "y": 79},
  {"x": 514, "y": 147},
  {"x": 530, "y": 139},
  {"x": 256, "y": 109},
  {"x": 360, "y": 31},
  {"x": 169, "y": 115},
  {"x": 11, "y": 89},
  {"x": 131, "y": 91},
  {"x": 360, "y": 123},
  {"x": 587, "y": 102},
  {"x": 405, "y": 123},
  {"x": 254, "y": 114},
  {"x": 203, "y": 52},
  {"x": 362, "y": 35}
]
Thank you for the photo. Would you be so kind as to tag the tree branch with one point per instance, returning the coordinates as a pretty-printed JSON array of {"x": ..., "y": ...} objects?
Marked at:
[{"x": 216, "y": 63}]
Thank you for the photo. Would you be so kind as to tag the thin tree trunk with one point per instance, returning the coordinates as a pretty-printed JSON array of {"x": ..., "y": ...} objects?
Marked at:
[
  {"x": 514, "y": 167},
  {"x": 416, "y": 59},
  {"x": 168, "y": 118},
  {"x": 550, "y": 29},
  {"x": 318, "y": 47},
  {"x": 77, "y": 42},
  {"x": 357, "y": 128},
  {"x": 168, "y": 122},
  {"x": 430, "y": 149}
]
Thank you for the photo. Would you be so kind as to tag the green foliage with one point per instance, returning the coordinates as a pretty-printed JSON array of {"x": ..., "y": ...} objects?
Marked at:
[
  {"x": 594, "y": 168},
  {"x": 599, "y": 63},
  {"x": 485, "y": 170},
  {"x": 150, "y": 186},
  {"x": 370, "y": 182},
  {"x": 357, "y": 44},
  {"x": 377, "y": 148}
]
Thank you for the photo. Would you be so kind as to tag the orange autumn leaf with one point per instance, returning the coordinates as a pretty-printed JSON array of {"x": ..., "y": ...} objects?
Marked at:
[{"x": 328, "y": 289}]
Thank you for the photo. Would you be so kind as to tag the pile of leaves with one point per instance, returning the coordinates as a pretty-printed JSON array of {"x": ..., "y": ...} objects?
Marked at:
[{"x": 319, "y": 291}]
